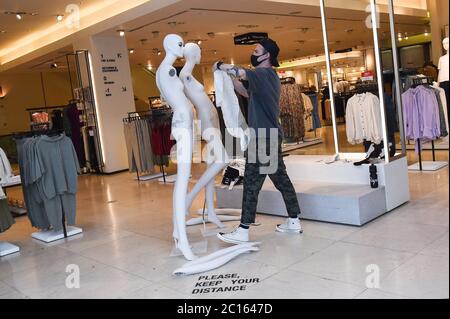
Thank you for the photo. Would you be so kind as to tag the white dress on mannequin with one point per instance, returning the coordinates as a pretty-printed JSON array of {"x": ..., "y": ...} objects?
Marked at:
[
  {"x": 172, "y": 91},
  {"x": 217, "y": 157}
]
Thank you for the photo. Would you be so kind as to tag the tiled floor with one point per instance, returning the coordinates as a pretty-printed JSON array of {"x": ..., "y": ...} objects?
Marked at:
[{"x": 124, "y": 251}]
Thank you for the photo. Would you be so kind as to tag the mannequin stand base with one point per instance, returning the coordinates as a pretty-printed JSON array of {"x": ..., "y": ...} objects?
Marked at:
[
  {"x": 428, "y": 166},
  {"x": 8, "y": 249},
  {"x": 223, "y": 211},
  {"x": 51, "y": 235},
  {"x": 197, "y": 248},
  {"x": 148, "y": 177}
]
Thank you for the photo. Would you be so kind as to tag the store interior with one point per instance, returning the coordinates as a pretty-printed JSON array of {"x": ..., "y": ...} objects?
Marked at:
[{"x": 55, "y": 76}]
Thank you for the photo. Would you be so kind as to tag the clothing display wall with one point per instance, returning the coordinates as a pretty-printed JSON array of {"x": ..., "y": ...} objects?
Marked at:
[{"x": 49, "y": 168}]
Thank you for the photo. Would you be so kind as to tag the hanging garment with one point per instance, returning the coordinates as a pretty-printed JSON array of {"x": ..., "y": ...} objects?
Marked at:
[
  {"x": 72, "y": 127},
  {"x": 227, "y": 100},
  {"x": 315, "y": 113},
  {"x": 442, "y": 121},
  {"x": 6, "y": 220},
  {"x": 57, "y": 120},
  {"x": 363, "y": 119},
  {"x": 6, "y": 173},
  {"x": 162, "y": 143},
  {"x": 308, "y": 112},
  {"x": 421, "y": 114},
  {"x": 443, "y": 100},
  {"x": 292, "y": 112},
  {"x": 50, "y": 167}
]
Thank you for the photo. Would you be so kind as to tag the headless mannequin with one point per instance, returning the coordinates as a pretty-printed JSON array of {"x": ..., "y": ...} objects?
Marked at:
[
  {"x": 172, "y": 91},
  {"x": 217, "y": 157}
]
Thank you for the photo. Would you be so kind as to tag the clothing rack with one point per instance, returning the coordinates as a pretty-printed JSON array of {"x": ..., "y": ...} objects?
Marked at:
[
  {"x": 154, "y": 115},
  {"x": 416, "y": 81},
  {"x": 48, "y": 133}
]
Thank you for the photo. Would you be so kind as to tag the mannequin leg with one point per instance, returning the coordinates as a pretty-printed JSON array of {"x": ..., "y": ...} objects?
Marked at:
[{"x": 183, "y": 137}]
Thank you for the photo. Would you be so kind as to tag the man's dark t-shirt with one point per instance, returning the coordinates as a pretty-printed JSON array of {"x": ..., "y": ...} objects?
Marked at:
[{"x": 264, "y": 89}]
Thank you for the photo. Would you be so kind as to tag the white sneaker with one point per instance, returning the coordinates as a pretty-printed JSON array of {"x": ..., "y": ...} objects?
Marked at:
[
  {"x": 237, "y": 236},
  {"x": 292, "y": 225}
]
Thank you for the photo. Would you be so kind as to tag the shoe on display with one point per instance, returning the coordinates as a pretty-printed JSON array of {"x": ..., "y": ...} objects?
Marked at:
[
  {"x": 292, "y": 225},
  {"x": 237, "y": 236}
]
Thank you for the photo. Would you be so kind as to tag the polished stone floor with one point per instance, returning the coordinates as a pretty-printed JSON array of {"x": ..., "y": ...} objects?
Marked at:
[{"x": 124, "y": 251}]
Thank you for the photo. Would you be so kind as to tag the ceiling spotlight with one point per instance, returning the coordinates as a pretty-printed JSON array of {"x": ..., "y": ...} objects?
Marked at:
[
  {"x": 159, "y": 52},
  {"x": 2, "y": 31},
  {"x": 184, "y": 33},
  {"x": 143, "y": 41},
  {"x": 426, "y": 33},
  {"x": 19, "y": 16},
  {"x": 406, "y": 36},
  {"x": 54, "y": 65},
  {"x": 199, "y": 42},
  {"x": 215, "y": 51},
  {"x": 131, "y": 51},
  {"x": 155, "y": 34},
  {"x": 121, "y": 33},
  {"x": 211, "y": 35},
  {"x": 59, "y": 17},
  {"x": 304, "y": 30}
]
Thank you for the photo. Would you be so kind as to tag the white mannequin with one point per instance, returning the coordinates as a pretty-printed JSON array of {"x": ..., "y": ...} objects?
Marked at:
[
  {"x": 209, "y": 120},
  {"x": 172, "y": 91},
  {"x": 443, "y": 64}
]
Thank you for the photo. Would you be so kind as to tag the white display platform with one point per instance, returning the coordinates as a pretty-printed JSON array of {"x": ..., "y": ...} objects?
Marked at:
[
  {"x": 12, "y": 183},
  {"x": 51, "y": 235},
  {"x": 287, "y": 147},
  {"x": 428, "y": 166},
  {"x": 338, "y": 192},
  {"x": 7, "y": 248}
]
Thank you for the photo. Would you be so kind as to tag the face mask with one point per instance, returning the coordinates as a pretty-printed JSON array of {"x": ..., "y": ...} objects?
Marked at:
[{"x": 254, "y": 60}]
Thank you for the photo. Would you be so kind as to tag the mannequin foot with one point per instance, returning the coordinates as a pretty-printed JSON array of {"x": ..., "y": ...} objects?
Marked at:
[{"x": 185, "y": 250}]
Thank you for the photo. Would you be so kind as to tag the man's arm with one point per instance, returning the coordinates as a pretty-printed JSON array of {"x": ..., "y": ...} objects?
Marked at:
[
  {"x": 240, "y": 88},
  {"x": 232, "y": 70}
]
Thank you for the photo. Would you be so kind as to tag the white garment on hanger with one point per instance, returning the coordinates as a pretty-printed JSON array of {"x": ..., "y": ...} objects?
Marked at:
[
  {"x": 227, "y": 100},
  {"x": 363, "y": 119},
  {"x": 5, "y": 168}
]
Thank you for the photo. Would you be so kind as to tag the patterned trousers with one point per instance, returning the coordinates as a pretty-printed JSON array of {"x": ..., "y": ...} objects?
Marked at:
[{"x": 257, "y": 167}]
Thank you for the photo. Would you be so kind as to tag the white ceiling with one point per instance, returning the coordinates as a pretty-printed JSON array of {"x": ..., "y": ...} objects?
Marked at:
[
  {"x": 283, "y": 21},
  {"x": 46, "y": 10}
]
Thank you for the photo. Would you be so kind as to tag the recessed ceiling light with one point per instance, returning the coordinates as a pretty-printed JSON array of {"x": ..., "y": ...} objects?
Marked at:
[
  {"x": 2, "y": 31},
  {"x": 19, "y": 16},
  {"x": 211, "y": 35},
  {"x": 131, "y": 51},
  {"x": 59, "y": 17},
  {"x": 199, "y": 42},
  {"x": 159, "y": 52},
  {"x": 121, "y": 33}
]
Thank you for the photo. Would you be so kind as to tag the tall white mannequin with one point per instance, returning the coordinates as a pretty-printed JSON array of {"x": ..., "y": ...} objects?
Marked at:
[
  {"x": 172, "y": 91},
  {"x": 443, "y": 64},
  {"x": 209, "y": 121}
]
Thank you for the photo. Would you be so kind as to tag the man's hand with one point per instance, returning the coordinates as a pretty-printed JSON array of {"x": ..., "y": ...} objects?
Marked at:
[{"x": 234, "y": 71}]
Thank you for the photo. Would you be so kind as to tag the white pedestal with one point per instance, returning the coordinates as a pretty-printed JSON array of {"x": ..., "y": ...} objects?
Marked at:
[
  {"x": 51, "y": 235},
  {"x": 7, "y": 248},
  {"x": 428, "y": 166},
  {"x": 148, "y": 177}
]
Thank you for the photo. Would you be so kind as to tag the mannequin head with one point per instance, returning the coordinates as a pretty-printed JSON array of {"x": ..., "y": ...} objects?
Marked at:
[
  {"x": 174, "y": 44},
  {"x": 192, "y": 53},
  {"x": 445, "y": 44}
]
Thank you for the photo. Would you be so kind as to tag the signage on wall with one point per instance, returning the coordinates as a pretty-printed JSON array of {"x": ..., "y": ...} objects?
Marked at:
[
  {"x": 111, "y": 74},
  {"x": 250, "y": 38},
  {"x": 367, "y": 76}
]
